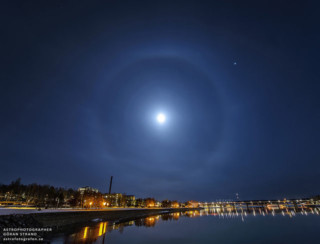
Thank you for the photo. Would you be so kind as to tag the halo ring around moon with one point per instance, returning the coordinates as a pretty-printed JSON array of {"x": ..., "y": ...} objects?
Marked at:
[{"x": 119, "y": 138}]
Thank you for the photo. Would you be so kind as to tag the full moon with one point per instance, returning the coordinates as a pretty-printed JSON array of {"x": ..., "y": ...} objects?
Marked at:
[{"x": 161, "y": 118}]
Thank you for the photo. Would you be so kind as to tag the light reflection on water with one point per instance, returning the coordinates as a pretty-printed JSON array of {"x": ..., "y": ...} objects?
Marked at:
[{"x": 103, "y": 231}]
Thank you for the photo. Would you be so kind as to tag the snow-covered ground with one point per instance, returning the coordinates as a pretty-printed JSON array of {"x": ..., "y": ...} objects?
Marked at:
[{"x": 29, "y": 210}]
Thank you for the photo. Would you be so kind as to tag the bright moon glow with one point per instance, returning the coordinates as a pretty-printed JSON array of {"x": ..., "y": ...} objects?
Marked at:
[{"x": 161, "y": 118}]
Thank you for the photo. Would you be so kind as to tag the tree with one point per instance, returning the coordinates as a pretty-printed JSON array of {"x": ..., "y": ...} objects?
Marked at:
[
  {"x": 175, "y": 204},
  {"x": 166, "y": 204},
  {"x": 140, "y": 202},
  {"x": 150, "y": 202}
]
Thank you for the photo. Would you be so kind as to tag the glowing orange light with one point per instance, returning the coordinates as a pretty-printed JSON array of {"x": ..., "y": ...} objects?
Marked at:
[
  {"x": 105, "y": 227},
  {"x": 85, "y": 233},
  {"x": 100, "y": 229}
]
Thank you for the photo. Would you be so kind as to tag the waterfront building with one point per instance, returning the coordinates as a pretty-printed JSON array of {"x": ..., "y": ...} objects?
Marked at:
[
  {"x": 120, "y": 200},
  {"x": 82, "y": 190},
  {"x": 114, "y": 199},
  {"x": 130, "y": 200},
  {"x": 192, "y": 204},
  {"x": 175, "y": 204}
]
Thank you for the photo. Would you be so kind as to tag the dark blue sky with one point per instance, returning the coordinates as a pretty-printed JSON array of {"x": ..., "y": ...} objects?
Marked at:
[{"x": 82, "y": 82}]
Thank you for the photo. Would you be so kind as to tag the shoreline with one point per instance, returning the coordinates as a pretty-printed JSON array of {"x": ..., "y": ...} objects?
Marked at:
[{"x": 61, "y": 220}]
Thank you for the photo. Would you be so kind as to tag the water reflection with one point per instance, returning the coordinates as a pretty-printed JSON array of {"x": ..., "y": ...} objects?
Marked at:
[
  {"x": 274, "y": 210},
  {"x": 98, "y": 233},
  {"x": 263, "y": 212},
  {"x": 88, "y": 234}
]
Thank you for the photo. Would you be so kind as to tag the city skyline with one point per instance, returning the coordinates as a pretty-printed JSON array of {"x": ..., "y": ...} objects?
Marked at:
[{"x": 176, "y": 100}]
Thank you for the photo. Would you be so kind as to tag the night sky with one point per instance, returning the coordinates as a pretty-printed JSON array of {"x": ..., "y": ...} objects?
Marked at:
[{"x": 83, "y": 81}]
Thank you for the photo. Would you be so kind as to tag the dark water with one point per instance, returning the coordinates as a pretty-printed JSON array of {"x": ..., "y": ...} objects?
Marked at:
[{"x": 204, "y": 227}]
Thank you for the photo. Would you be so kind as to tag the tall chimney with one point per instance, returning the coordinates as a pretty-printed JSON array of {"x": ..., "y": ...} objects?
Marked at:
[{"x": 110, "y": 185}]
